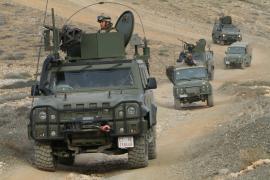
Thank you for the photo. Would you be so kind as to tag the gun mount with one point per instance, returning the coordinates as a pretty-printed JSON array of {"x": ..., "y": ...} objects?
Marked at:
[{"x": 79, "y": 45}]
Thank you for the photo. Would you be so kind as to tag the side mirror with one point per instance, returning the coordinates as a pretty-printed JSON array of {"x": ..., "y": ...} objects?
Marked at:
[
  {"x": 226, "y": 52},
  {"x": 35, "y": 91},
  {"x": 151, "y": 83}
]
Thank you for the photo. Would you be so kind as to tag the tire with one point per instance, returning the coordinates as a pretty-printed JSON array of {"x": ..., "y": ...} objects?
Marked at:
[
  {"x": 138, "y": 156},
  {"x": 69, "y": 161},
  {"x": 210, "y": 101},
  {"x": 152, "y": 146},
  {"x": 243, "y": 65},
  {"x": 214, "y": 40},
  {"x": 227, "y": 66},
  {"x": 177, "y": 104},
  {"x": 43, "y": 157}
]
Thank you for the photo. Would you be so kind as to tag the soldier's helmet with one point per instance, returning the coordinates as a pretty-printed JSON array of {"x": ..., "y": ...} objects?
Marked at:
[{"x": 103, "y": 17}]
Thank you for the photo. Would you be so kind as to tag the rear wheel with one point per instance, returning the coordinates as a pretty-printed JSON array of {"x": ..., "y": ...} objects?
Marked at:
[
  {"x": 210, "y": 101},
  {"x": 152, "y": 147},
  {"x": 43, "y": 157},
  {"x": 138, "y": 156}
]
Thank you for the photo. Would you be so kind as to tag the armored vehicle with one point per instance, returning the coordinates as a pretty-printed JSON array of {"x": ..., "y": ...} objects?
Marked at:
[
  {"x": 238, "y": 54},
  {"x": 191, "y": 84},
  {"x": 94, "y": 100},
  {"x": 198, "y": 55},
  {"x": 225, "y": 32}
]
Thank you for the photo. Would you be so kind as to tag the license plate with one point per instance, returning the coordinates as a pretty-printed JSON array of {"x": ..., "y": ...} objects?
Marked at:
[
  {"x": 183, "y": 95},
  {"x": 227, "y": 62},
  {"x": 125, "y": 142}
]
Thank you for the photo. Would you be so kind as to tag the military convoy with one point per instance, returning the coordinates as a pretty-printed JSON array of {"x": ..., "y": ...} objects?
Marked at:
[
  {"x": 238, "y": 54},
  {"x": 94, "y": 100},
  {"x": 225, "y": 32}
]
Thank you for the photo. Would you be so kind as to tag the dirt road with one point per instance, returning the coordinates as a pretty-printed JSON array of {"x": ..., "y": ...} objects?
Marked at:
[{"x": 178, "y": 130}]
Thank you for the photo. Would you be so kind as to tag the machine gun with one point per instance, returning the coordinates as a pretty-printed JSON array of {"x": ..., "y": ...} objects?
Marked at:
[{"x": 187, "y": 46}]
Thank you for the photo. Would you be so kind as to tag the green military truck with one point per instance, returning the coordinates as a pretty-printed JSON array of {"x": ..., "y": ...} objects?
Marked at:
[
  {"x": 199, "y": 55},
  {"x": 238, "y": 54},
  {"x": 225, "y": 32},
  {"x": 94, "y": 100},
  {"x": 190, "y": 84}
]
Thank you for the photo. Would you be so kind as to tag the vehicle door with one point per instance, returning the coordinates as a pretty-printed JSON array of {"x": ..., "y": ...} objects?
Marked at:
[{"x": 148, "y": 94}]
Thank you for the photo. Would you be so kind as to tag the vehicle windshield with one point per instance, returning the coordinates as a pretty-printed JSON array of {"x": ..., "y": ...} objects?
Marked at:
[
  {"x": 191, "y": 73},
  {"x": 236, "y": 50},
  {"x": 104, "y": 78}
]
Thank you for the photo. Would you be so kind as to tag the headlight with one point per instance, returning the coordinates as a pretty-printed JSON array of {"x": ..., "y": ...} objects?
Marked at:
[
  {"x": 121, "y": 114},
  {"x": 42, "y": 115},
  {"x": 181, "y": 91},
  {"x": 128, "y": 109},
  {"x": 223, "y": 35},
  {"x": 203, "y": 88},
  {"x": 239, "y": 35},
  {"x": 131, "y": 110}
]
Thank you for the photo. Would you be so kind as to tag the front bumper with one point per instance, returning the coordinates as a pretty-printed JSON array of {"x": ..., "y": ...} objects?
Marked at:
[
  {"x": 231, "y": 38},
  {"x": 229, "y": 62},
  {"x": 87, "y": 127}
]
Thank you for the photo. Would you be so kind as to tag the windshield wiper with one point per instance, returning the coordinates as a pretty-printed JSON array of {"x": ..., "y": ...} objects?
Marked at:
[
  {"x": 185, "y": 79},
  {"x": 198, "y": 78}
]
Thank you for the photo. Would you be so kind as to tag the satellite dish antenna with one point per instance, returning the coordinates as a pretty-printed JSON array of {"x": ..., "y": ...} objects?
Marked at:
[{"x": 125, "y": 25}]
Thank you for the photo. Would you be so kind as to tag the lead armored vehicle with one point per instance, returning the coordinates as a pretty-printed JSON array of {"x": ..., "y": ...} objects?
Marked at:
[
  {"x": 199, "y": 55},
  {"x": 94, "y": 99},
  {"x": 238, "y": 54},
  {"x": 225, "y": 32}
]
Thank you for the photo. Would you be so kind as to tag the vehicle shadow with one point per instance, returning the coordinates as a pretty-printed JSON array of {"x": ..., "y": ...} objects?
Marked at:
[
  {"x": 193, "y": 106},
  {"x": 88, "y": 164}
]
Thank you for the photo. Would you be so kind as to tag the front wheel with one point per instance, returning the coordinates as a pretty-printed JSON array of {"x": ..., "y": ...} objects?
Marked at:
[
  {"x": 43, "y": 157},
  {"x": 138, "y": 155},
  {"x": 210, "y": 101}
]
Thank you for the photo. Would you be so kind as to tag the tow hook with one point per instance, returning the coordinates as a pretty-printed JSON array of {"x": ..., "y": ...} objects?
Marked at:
[{"x": 105, "y": 128}]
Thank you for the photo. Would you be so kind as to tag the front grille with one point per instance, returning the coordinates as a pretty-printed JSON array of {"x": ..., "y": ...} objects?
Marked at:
[
  {"x": 79, "y": 120},
  {"x": 193, "y": 90}
]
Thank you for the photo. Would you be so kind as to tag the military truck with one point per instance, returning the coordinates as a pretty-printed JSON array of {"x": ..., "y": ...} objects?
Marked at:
[
  {"x": 190, "y": 84},
  {"x": 225, "y": 32},
  {"x": 238, "y": 54},
  {"x": 200, "y": 56},
  {"x": 94, "y": 99}
]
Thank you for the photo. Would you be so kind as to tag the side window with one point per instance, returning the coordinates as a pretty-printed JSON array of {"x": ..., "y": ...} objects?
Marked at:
[
  {"x": 144, "y": 75},
  {"x": 144, "y": 82}
]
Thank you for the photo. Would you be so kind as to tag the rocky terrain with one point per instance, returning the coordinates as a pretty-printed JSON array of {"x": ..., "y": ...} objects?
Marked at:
[{"x": 228, "y": 141}]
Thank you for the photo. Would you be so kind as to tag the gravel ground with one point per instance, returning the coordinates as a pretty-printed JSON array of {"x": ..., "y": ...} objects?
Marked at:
[{"x": 236, "y": 144}]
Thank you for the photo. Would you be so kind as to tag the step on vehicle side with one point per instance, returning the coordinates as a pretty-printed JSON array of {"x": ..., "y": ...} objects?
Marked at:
[
  {"x": 190, "y": 84},
  {"x": 94, "y": 100},
  {"x": 238, "y": 54},
  {"x": 225, "y": 32}
]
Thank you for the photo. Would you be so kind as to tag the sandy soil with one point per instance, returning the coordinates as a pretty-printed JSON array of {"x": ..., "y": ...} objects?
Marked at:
[{"x": 194, "y": 143}]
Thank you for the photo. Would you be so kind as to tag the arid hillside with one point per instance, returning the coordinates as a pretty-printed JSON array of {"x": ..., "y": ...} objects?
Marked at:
[{"x": 227, "y": 141}]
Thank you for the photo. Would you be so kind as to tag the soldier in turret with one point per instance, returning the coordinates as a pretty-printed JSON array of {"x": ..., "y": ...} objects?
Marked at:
[{"x": 105, "y": 23}]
